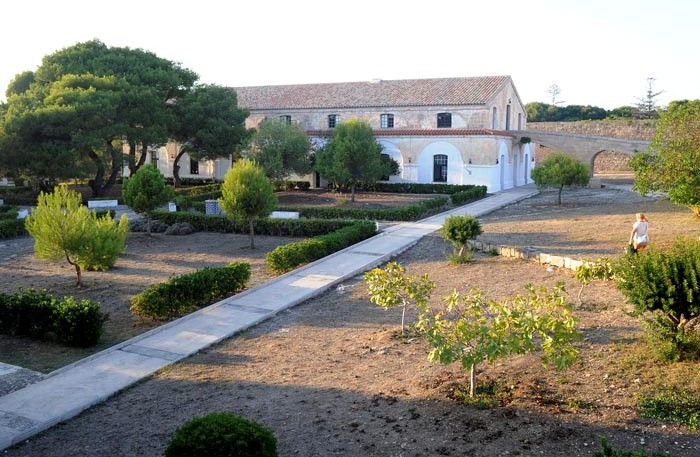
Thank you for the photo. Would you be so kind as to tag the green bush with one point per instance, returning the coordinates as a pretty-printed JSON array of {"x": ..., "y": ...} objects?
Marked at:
[
  {"x": 189, "y": 292},
  {"x": 10, "y": 228},
  {"x": 222, "y": 435},
  {"x": 666, "y": 282},
  {"x": 681, "y": 407},
  {"x": 459, "y": 230},
  {"x": 461, "y": 197},
  {"x": 198, "y": 190},
  {"x": 78, "y": 323},
  {"x": 401, "y": 213},
  {"x": 37, "y": 314},
  {"x": 612, "y": 452},
  {"x": 265, "y": 226},
  {"x": 415, "y": 188},
  {"x": 287, "y": 257}
]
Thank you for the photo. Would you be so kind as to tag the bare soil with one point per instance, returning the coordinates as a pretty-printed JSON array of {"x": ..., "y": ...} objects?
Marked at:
[{"x": 332, "y": 377}]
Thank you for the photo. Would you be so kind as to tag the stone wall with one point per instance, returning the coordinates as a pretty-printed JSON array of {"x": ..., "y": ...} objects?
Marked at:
[
  {"x": 626, "y": 129},
  {"x": 607, "y": 161}
]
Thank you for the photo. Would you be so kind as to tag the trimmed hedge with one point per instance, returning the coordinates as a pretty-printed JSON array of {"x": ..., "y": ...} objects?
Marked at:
[
  {"x": 198, "y": 190},
  {"x": 38, "y": 315},
  {"x": 401, "y": 213},
  {"x": 266, "y": 226},
  {"x": 459, "y": 198},
  {"x": 222, "y": 435},
  {"x": 415, "y": 188},
  {"x": 186, "y": 293},
  {"x": 10, "y": 228},
  {"x": 287, "y": 257}
]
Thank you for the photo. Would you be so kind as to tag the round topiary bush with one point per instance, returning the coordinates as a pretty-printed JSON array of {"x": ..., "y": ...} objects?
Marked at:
[{"x": 222, "y": 435}]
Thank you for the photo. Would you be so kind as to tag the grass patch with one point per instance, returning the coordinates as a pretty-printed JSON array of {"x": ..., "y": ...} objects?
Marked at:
[{"x": 679, "y": 406}]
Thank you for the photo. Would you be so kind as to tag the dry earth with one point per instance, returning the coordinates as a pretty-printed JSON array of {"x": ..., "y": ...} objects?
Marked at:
[{"x": 330, "y": 376}]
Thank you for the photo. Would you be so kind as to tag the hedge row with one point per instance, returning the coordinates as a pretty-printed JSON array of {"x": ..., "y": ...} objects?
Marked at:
[
  {"x": 39, "y": 315},
  {"x": 197, "y": 190},
  {"x": 266, "y": 226},
  {"x": 415, "y": 188},
  {"x": 401, "y": 213},
  {"x": 287, "y": 257},
  {"x": 10, "y": 228},
  {"x": 186, "y": 293},
  {"x": 464, "y": 196},
  {"x": 188, "y": 201}
]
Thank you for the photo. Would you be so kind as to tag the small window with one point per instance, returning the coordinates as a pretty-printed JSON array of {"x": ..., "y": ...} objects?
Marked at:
[
  {"x": 520, "y": 121},
  {"x": 333, "y": 120},
  {"x": 286, "y": 119},
  {"x": 444, "y": 120},
  {"x": 494, "y": 118},
  {"x": 387, "y": 121},
  {"x": 508, "y": 117},
  {"x": 154, "y": 158},
  {"x": 440, "y": 168},
  {"x": 194, "y": 167}
]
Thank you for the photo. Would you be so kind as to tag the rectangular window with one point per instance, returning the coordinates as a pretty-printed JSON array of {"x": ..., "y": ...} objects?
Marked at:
[
  {"x": 194, "y": 167},
  {"x": 508, "y": 117},
  {"x": 494, "y": 119},
  {"x": 286, "y": 119},
  {"x": 387, "y": 121},
  {"x": 154, "y": 158},
  {"x": 444, "y": 120},
  {"x": 520, "y": 121},
  {"x": 333, "y": 120}
]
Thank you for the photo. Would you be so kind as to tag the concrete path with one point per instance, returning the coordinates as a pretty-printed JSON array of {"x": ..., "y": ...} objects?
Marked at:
[{"x": 74, "y": 388}]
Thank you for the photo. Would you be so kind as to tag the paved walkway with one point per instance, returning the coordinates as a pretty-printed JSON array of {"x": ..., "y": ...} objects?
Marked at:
[{"x": 74, "y": 388}]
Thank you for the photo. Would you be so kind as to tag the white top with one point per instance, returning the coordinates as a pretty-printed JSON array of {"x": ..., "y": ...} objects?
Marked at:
[{"x": 641, "y": 227}]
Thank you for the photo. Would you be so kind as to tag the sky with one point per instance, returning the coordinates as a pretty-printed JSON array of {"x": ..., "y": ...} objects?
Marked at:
[{"x": 598, "y": 53}]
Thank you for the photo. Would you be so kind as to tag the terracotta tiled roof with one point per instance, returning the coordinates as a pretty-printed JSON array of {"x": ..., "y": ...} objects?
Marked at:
[
  {"x": 424, "y": 132},
  {"x": 405, "y": 92}
]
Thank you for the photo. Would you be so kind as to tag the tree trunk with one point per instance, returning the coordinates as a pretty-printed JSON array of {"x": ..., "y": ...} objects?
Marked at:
[
  {"x": 79, "y": 281},
  {"x": 176, "y": 167},
  {"x": 252, "y": 234},
  {"x": 560, "y": 189},
  {"x": 132, "y": 158},
  {"x": 98, "y": 181},
  {"x": 472, "y": 381},
  {"x": 142, "y": 157},
  {"x": 117, "y": 160},
  {"x": 352, "y": 189}
]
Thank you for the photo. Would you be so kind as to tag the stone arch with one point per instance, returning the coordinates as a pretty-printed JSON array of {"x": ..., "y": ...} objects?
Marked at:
[
  {"x": 455, "y": 163},
  {"x": 609, "y": 161}
]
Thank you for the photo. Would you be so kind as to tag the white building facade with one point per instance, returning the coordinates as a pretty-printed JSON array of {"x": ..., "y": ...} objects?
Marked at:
[{"x": 445, "y": 130}]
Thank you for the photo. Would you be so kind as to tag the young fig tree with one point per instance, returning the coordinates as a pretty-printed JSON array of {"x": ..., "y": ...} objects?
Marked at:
[
  {"x": 472, "y": 330},
  {"x": 390, "y": 287}
]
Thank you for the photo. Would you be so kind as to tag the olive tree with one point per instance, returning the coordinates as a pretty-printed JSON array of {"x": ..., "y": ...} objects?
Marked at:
[{"x": 559, "y": 170}]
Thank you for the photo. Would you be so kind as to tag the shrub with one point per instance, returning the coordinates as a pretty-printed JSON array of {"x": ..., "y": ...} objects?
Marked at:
[
  {"x": 139, "y": 225},
  {"x": 459, "y": 230},
  {"x": 401, "y": 213},
  {"x": 186, "y": 293},
  {"x": 416, "y": 188},
  {"x": 78, "y": 323},
  {"x": 222, "y": 435},
  {"x": 287, "y": 257},
  {"x": 265, "y": 226},
  {"x": 461, "y": 197},
  {"x": 145, "y": 191},
  {"x": 676, "y": 406},
  {"x": 38, "y": 314},
  {"x": 10, "y": 228},
  {"x": 666, "y": 282}
]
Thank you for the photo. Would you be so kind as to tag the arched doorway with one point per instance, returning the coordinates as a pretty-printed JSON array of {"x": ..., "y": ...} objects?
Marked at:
[{"x": 445, "y": 156}]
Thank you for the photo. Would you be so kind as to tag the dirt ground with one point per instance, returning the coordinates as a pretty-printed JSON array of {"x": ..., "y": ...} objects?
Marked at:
[{"x": 331, "y": 377}]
